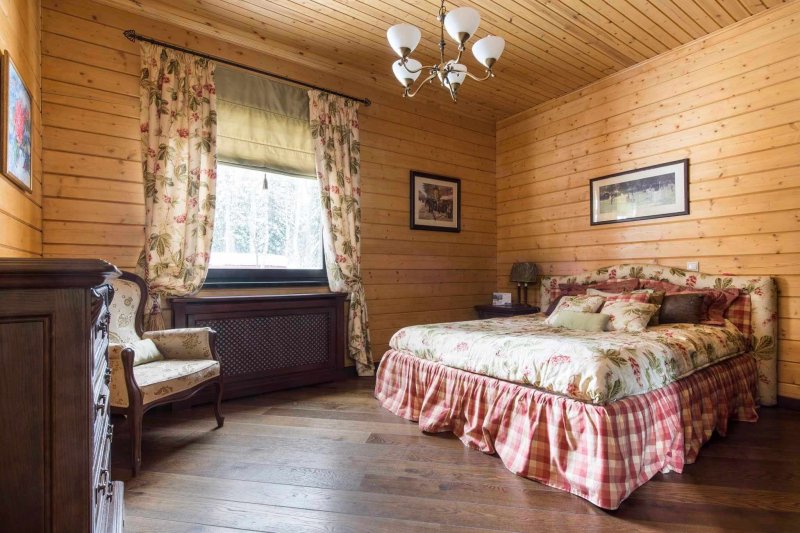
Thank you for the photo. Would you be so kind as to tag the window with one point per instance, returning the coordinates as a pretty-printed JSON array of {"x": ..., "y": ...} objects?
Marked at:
[{"x": 267, "y": 229}]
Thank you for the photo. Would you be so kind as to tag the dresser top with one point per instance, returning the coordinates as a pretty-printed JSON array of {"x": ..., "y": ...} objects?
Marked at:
[{"x": 16, "y": 273}]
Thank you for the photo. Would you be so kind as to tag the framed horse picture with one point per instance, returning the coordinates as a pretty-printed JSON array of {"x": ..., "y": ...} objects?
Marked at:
[{"x": 435, "y": 202}]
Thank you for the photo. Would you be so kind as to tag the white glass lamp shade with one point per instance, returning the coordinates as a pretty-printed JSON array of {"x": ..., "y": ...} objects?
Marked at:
[
  {"x": 403, "y": 38},
  {"x": 405, "y": 76},
  {"x": 488, "y": 50},
  {"x": 461, "y": 23},
  {"x": 455, "y": 77}
]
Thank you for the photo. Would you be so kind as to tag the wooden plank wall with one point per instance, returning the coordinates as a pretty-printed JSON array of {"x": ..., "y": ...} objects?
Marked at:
[
  {"x": 729, "y": 102},
  {"x": 93, "y": 194},
  {"x": 20, "y": 211}
]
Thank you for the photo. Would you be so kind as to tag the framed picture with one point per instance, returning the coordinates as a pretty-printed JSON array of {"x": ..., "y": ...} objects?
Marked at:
[
  {"x": 651, "y": 192},
  {"x": 17, "y": 125},
  {"x": 435, "y": 202}
]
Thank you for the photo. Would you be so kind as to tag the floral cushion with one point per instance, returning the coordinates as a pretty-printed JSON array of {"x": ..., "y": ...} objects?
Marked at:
[
  {"x": 580, "y": 304},
  {"x": 145, "y": 351},
  {"x": 761, "y": 323},
  {"x": 628, "y": 316},
  {"x": 164, "y": 378},
  {"x": 124, "y": 304}
]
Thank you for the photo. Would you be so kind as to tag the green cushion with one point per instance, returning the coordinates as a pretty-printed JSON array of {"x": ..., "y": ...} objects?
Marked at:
[
  {"x": 145, "y": 351},
  {"x": 581, "y": 321}
]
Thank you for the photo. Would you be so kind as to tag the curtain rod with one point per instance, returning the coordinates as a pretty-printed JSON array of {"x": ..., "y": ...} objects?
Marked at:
[{"x": 132, "y": 36}]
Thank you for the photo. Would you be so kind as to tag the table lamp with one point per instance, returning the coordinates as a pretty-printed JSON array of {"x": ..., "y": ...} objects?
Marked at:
[{"x": 522, "y": 274}]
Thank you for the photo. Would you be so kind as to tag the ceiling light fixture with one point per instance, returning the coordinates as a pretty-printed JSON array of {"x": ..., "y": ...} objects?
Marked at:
[{"x": 461, "y": 24}]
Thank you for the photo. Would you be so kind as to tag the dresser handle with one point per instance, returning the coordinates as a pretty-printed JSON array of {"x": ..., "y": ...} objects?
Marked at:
[
  {"x": 101, "y": 404},
  {"x": 110, "y": 432},
  {"x": 110, "y": 490},
  {"x": 102, "y": 484},
  {"x": 107, "y": 377}
]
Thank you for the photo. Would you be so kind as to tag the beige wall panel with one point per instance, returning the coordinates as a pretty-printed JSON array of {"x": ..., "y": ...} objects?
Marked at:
[
  {"x": 729, "y": 103},
  {"x": 93, "y": 199},
  {"x": 20, "y": 210}
]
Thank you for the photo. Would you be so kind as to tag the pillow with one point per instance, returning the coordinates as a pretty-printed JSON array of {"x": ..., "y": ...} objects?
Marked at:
[
  {"x": 724, "y": 299},
  {"x": 684, "y": 308},
  {"x": 145, "y": 351},
  {"x": 575, "y": 289},
  {"x": 581, "y": 304},
  {"x": 581, "y": 321},
  {"x": 642, "y": 295},
  {"x": 629, "y": 316},
  {"x": 656, "y": 297}
]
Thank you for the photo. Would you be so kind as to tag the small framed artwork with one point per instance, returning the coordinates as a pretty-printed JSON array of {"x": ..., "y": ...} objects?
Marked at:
[
  {"x": 651, "y": 192},
  {"x": 17, "y": 125},
  {"x": 435, "y": 202},
  {"x": 501, "y": 298}
]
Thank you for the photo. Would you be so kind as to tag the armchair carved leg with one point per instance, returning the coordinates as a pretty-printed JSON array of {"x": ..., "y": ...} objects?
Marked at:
[
  {"x": 217, "y": 406},
  {"x": 135, "y": 420}
]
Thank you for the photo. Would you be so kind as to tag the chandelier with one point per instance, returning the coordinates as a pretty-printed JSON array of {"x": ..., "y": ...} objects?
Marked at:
[{"x": 461, "y": 24}]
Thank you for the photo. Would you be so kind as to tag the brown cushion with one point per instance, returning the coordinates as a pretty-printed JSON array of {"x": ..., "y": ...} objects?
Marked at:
[{"x": 681, "y": 308}]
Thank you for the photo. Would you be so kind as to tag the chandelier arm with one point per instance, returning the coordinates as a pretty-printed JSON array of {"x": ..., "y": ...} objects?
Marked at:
[
  {"x": 489, "y": 74},
  {"x": 412, "y": 94},
  {"x": 420, "y": 69}
]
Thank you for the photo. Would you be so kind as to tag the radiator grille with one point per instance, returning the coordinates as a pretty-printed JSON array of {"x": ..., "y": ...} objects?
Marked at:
[{"x": 261, "y": 343}]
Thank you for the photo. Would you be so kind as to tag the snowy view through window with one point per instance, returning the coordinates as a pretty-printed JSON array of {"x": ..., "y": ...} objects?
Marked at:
[{"x": 279, "y": 227}]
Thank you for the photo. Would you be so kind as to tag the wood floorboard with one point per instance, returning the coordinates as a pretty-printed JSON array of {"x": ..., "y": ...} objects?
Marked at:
[{"x": 329, "y": 459}]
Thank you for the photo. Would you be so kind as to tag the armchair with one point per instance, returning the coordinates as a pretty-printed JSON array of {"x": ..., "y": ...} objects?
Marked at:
[{"x": 155, "y": 367}]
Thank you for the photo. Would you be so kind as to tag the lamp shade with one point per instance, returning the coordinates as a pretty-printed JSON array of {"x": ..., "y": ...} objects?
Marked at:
[
  {"x": 461, "y": 23},
  {"x": 403, "y": 38},
  {"x": 488, "y": 50},
  {"x": 456, "y": 75},
  {"x": 405, "y": 76},
  {"x": 524, "y": 272}
]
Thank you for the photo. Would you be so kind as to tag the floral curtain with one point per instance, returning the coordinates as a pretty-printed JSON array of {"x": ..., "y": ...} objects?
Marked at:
[
  {"x": 179, "y": 160},
  {"x": 334, "y": 127}
]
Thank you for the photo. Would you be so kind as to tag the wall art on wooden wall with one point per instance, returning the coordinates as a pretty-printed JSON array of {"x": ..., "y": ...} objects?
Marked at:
[
  {"x": 435, "y": 202},
  {"x": 17, "y": 125},
  {"x": 651, "y": 192}
]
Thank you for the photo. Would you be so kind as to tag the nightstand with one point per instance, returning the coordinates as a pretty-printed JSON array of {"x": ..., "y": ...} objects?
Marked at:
[{"x": 497, "y": 311}]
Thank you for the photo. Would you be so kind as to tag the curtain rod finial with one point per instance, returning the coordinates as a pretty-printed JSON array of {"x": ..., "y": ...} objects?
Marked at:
[
  {"x": 130, "y": 35},
  {"x": 367, "y": 102}
]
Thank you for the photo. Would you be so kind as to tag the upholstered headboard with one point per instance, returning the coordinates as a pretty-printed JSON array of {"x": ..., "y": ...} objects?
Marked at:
[{"x": 763, "y": 307}]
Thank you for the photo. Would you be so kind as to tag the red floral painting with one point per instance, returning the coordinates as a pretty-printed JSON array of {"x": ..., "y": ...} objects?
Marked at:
[{"x": 17, "y": 107}]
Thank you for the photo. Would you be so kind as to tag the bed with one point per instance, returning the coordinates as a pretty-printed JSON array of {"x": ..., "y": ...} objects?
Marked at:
[{"x": 594, "y": 414}]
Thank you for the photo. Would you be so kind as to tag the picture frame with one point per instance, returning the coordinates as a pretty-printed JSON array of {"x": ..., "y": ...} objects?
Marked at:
[
  {"x": 17, "y": 126},
  {"x": 645, "y": 193},
  {"x": 435, "y": 202}
]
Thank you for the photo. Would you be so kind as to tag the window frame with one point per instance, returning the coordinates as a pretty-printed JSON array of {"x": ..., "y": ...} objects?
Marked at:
[{"x": 227, "y": 278}]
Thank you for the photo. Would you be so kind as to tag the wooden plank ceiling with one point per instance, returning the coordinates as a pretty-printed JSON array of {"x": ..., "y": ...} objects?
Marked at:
[{"x": 553, "y": 46}]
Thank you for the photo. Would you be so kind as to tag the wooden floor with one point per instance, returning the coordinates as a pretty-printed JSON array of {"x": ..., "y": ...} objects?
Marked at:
[{"x": 328, "y": 458}]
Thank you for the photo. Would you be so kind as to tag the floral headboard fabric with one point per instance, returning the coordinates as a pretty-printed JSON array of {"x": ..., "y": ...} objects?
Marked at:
[{"x": 763, "y": 304}]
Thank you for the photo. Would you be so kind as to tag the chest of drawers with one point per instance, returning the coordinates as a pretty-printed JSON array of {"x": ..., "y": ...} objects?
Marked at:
[{"x": 55, "y": 435}]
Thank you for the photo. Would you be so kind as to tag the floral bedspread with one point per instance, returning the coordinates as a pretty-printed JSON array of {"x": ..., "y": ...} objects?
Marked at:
[{"x": 588, "y": 366}]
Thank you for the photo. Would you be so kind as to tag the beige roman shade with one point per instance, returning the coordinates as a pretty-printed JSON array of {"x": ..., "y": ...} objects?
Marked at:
[{"x": 262, "y": 123}]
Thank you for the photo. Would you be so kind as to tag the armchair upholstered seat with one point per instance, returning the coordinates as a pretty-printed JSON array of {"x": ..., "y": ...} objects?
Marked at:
[{"x": 155, "y": 367}]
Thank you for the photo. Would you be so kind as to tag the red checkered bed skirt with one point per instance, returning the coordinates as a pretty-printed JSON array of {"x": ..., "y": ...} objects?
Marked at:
[{"x": 599, "y": 452}]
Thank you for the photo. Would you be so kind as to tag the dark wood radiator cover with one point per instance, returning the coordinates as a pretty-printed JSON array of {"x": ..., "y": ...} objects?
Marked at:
[{"x": 267, "y": 343}]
